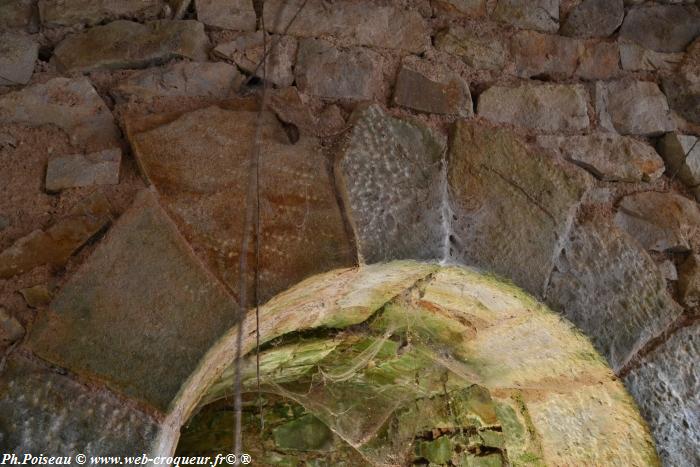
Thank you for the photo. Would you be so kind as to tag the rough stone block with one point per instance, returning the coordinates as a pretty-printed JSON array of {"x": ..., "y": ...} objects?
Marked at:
[
  {"x": 141, "y": 311},
  {"x": 633, "y": 108},
  {"x": 77, "y": 170},
  {"x": 325, "y": 71},
  {"x": 683, "y": 87},
  {"x": 57, "y": 13},
  {"x": 151, "y": 43},
  {"x": 545, "y": 54},
  {"x": 689, "y": 282},
  {"x": 548, "y": 107},
  {"x": 541, "y": 15},
  {"x": 664, "y": 28},
  {"x": 70, "y": 104},
  {"x": 238, "y": 15},
  {"x": 667, "y": 388},
  {"x": 609, "y": 287},
  {"x": 18, "y": 54},
  {"x": 10, "y": 330},
  {"x": 594, "y": 18},
  {"x": 634, "y": 57},
  {"x": 476, "y": 50},
  {"x": 471, "y": 8},
  {"x": 439, "y": 93},
  {"x": 682, "y": 156},
  {"x": 390, "y": 175},
  {"x": 18, "y": 14},
  {"x": 511, "y": 207}
]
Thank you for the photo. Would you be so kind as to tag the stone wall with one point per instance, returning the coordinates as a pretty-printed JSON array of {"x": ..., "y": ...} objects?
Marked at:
[{"x": 551, "y": 142}]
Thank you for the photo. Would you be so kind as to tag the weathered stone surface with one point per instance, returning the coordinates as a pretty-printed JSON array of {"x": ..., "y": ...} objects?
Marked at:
[
  {"x": 668, "y": 270},
  {"x": 632, "y": 108},
  {"x": 682, "y": 156},
  {"x": 184, "y": 79},
  {"x": 608, "y": 156},
  {"x": 50, "y": 413},
  {"x": 541, "y": 15},
  {"x": 389, "y": 174},
  {"x": 599, "y": 60},
  {"x": 664, "y": 28},
  {"x": 611, "y": 289},
  {"x": 56, "y": 13},
  {"x": 326, "y": 71},
  {"x": 363, "y": 22},
  {"x": 545, "y": 54},
  {"x": 593, "y": 18},
  {"x": 199, "y": 163},
  {"x": 246, "y": 51},
  {"x": 17, "y": 14},
  {"x": 56, "y": 244},
  {"x": 292, "y": 107},
  {"x": 689, "y": 282},
  {"x": 511, "y": 207},
  {"x": 70, "y": 104},
  {"x": 447, "y": 94},
  {"x": 634, "y": 57},
  {"x": 477, "y": 51},
  {"x": 36, "y": 296},
  {"x": 238, "y": 15},
  {"x": 76, "y": 170},
  {"x": 667, "y": 388},
  {"x": 155, "y": 42},
  {"x": 683, "y": 87},
  {"x": 143, "y": 277},
  {"x": 659, "y": 221},
  {"x": 17, "y": 56},
  {"x": 472, "y": 8},
  {"x": 10, "y": 329},
  {"x": 548, "y": 107}
]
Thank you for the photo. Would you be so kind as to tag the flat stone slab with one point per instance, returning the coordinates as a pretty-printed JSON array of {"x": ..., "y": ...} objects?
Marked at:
[
  {"x": 46, "y": 412},
  {"x": 540, "y": 15},
  {"x": 238, "y": 15},
  {"x": 77, "y": 170},
  {"x": 72, "y": 105},
  {"x": 183, "y": 79},
  {"x": 438, "y": 92},
  {"x": 389, "y": 173},
  {"x": 246, "y": 51},
  {"x": 510, "y": 205},
  {"x": 60, "y": 13},
  {"x": 664, "y": 28},
  {"x": 199, "y": 162},
  {"x": 594, "y": 18},
  {"x": 632, "y": 108},
  {"x": 609, "y": 287},
  {"x": 18, "y": 53},
  {"x": 608, "y": 156},
  {"x": 666, "y": 387},
  {"x": 57, "y": 243},
  {"x": 363, "y": 22},
  {"x": 659, "y": 221},
  {"x": 682, "y": 156},
  {"x": 325, "y": 71},
  {"x": 153, "y": 43},
  {"x": 547, "y": 107},
  {"x": 140, "y": 312}
]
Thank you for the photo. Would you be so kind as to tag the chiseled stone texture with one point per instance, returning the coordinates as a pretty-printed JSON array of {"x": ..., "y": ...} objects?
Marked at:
[
  {"x": 659, "y": 221},
  {"x": 540, "y": 15},
  {"x": 70, "y": 104},
  {"x": 183, "y": 79},
  {"x": 56, "y": 13},
  {"x": 610, "y": 288},
  {"x": 141, "y": 311},
  {"x": 46, "y": 412},
  {"x": 477, "y": 51},
  {"x": 151, "y": 43},
  {"x": 682, "y": 156},
  {"x": 325, "y": 71},
  {"x": 76, "y": 170},
  {"x": 633, "y": 108},
  {"x": 446, "y": 94},
  {"x": 18, "y": 52},
  {"x": 390, "y": 174},
  {"x": 511, "y": 206},
  {"x": 608, "y": 156},
  {"x": 199, "y": 163},
  {"x": 58, "y": 242},
  {"x": 246, "y": 51},
  {"x": 238, "y": 15},
  {"x": 667, "y": 388},
  {"x": 546, "y": 107},
  {"x": 594, "y": 18},
  {"x": 664, "y": 28},
  {"x": 375, "y": 23}
]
